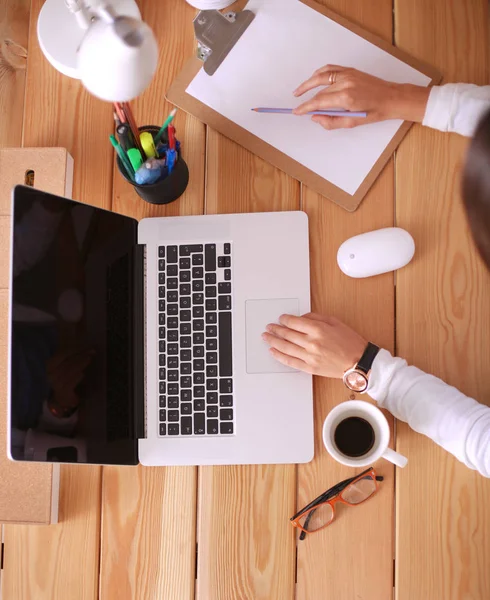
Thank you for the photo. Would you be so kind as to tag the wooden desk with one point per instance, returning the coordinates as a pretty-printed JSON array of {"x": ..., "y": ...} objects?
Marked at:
[{"x": 133, "y": 533}]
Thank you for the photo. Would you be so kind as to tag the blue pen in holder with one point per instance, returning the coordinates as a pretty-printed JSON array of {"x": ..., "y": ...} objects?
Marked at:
[{"x": 165, "y": 190}]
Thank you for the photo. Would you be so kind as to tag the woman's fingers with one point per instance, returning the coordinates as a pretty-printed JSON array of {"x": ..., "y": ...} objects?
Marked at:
[
  {"x": 322, "y": 79},
  {"x": 290, "y": 361},
  {"x": 322, "y": 101},
  {"x": 331, "y": 69},
  {"x": 331, "y": 123},
  {"x": 284, "y": 346},
  {"x": 288, "y": 334},
  {"x": 301, "y": 324},
  {"x": 343, "y": 122}
]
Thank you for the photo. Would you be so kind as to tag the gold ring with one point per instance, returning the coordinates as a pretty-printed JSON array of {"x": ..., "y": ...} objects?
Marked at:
[{"x": 332, "y": 77}]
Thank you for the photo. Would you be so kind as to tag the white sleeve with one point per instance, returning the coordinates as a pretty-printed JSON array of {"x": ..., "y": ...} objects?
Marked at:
[
  {"x": 457, "y": 107},
  {"x": 457, "y": 423}
]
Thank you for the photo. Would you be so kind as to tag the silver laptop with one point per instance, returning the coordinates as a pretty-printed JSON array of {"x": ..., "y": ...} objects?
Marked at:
[{"x": 142, "y": 342}]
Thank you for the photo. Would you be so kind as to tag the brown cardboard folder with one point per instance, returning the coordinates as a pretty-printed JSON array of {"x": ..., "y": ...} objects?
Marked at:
[
  {"x": 28, "y": 491},
  {"x": 178, "y": 96}
]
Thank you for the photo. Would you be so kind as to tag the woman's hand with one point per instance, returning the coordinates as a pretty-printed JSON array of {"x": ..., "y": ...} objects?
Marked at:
[
  {"x": 350, "y": 89},
  {"x": 316, "y": 344}
]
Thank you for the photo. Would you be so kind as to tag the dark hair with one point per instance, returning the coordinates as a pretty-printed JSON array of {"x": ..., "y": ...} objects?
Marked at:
[{"x": 476, "y": 187}]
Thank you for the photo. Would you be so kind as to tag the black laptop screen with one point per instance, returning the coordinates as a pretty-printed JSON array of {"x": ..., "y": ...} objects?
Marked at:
[{"x": 72, "y": 325}]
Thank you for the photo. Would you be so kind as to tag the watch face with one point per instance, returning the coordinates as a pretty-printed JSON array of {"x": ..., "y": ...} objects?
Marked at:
[{"x": 356, "y": 381}]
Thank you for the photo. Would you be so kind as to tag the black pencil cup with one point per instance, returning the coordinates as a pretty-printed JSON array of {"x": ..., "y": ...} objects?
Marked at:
[{"x": 167, "y": 190}]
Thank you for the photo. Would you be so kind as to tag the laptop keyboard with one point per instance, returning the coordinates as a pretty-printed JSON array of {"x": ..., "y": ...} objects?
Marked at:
[{"x": 195, "y": 347}]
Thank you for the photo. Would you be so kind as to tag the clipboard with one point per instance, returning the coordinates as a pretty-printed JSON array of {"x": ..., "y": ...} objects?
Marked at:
[{"x": 216, "y": 35}]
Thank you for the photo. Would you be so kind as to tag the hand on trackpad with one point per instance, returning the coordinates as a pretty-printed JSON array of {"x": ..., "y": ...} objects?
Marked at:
[{"x": 258, "y": 314}]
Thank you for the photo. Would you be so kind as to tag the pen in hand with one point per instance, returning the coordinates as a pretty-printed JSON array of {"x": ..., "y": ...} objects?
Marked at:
[{"x": 326, "y": 113}]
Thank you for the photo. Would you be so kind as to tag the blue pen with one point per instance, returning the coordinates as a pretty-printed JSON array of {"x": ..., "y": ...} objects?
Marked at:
[{"x": 171, "y": 159}]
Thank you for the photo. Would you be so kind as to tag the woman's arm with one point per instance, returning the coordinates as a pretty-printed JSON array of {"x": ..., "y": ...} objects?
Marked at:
[
  {"x": 457, "y": 107},
  {"x": 453, "y": 107},
  {"x": 324, "y": 346},
  {"x": 457, "y": 423}
]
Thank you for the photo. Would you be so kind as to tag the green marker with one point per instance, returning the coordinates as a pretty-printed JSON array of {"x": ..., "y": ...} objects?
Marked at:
[
  {"x": 135, "y": 159},
  {"x": 123, "y": 157},
  {"x": 169, "y": 119}
]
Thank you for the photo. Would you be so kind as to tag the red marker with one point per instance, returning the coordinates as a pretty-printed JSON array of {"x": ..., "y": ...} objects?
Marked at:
[{"x": 171, "y": 137}]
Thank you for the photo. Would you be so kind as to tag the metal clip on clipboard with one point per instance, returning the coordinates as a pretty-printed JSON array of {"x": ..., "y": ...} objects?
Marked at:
[{"x": 216, "y": 35}]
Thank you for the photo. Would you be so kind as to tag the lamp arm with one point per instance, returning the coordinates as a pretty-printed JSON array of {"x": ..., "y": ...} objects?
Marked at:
[
  {"x": 106, "y": 12},
  {"x": 80, "y": 11}
]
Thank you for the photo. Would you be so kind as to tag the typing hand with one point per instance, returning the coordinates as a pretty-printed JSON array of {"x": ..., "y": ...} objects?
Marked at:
[
  {"x": 353, "y": 90},
  {"x": 315, "y": 344}
]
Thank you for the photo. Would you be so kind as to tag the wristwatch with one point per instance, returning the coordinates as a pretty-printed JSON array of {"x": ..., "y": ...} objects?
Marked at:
[{"x": 357, "y": 378}]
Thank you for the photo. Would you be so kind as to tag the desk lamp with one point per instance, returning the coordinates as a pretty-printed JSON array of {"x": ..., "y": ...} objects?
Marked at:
[{"x": 102, "y": 42}]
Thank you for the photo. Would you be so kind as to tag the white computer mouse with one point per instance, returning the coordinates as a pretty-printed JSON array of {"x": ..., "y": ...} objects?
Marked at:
[{"x": 376, "y": 252}]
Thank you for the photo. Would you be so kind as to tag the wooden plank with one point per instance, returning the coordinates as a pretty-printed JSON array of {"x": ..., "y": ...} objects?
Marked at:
[
  {"x": 442, "y": 317},
  {"x": 148, "y": 545},
  {"x": 148, "y": 533},
  {"x": 60, "y": 112},
  {"x": 58, "y": 561},
  {"x": 4, "y": 253},
  {"x": 62, "y": 561},
  {"x": 353, "y": 558},
  {"x": 14, "y": 31},
  {"x": 246, "y": 547}
]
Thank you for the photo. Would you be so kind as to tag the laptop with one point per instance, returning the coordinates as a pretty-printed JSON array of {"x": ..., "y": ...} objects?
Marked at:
[{"x": 141, "y": 342}]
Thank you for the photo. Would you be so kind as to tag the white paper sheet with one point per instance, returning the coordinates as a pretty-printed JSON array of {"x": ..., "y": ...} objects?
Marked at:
[{"x": 282, "y": 47}]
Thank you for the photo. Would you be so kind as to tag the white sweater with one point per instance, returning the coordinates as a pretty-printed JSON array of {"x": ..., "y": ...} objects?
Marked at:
[{"x": 457, "y": 423}]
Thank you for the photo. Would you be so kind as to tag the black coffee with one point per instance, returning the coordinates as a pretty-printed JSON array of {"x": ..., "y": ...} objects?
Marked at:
[{"x": 354, "y": 436}]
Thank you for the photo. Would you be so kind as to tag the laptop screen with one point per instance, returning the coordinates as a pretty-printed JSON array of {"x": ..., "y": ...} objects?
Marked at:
[{"x": 72, "y": 332}]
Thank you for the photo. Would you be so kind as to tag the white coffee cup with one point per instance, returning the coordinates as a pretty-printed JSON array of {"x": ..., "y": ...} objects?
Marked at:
[{"x": 377, "y": 420}]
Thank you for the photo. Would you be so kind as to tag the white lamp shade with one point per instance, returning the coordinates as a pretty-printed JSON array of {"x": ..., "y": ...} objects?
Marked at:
[
  {"x": 117, "y": 61},
  {"x": 60, "y": 34}
]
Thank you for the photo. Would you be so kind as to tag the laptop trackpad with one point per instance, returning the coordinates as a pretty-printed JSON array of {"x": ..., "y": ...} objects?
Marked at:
[{"x": 260, "y": 313}]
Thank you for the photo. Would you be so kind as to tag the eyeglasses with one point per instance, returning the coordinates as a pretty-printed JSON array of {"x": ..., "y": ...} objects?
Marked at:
[{"x": 321, "y": 512}]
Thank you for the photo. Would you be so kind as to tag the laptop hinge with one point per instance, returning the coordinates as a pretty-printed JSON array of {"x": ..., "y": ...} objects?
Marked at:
[{"x": 139, "y": 337}]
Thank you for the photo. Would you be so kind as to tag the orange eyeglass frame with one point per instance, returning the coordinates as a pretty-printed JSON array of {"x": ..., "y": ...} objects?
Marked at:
[{"x": 332, "y": 496}]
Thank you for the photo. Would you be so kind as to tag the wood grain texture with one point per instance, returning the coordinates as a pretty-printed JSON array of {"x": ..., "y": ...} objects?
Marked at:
[
  {"x": 46, "y": 563},
  {"x": 353, "y": 558},
  {"x": 60, "y": 112},
  {"x": 246, "y": 546},
  {"x": 58, "y": 561},
  {"x": 148, "y": 533},
  {"x": 4, "y": 255},
  {"x": 443, "y": 322},
  {"x": 14, "y": 30},
  {"x": 148, "y": 545}
]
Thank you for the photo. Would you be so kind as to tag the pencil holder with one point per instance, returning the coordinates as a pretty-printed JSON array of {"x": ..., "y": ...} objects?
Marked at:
[{"x": 167, "y": 190}]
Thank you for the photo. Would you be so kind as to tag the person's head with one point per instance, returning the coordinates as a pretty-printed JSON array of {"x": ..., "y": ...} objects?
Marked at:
[{"x": 476, "y": 187}]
